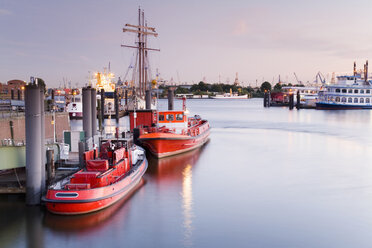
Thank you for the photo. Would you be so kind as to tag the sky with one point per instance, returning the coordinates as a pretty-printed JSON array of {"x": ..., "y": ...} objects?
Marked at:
[{"x": 210, "y": 40}]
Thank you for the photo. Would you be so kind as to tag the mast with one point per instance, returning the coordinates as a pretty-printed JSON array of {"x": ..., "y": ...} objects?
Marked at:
[
  {"x": 142, "y": 31},
  {"x": 366, "y": 73},
  {"x": 139, "y": 52}
]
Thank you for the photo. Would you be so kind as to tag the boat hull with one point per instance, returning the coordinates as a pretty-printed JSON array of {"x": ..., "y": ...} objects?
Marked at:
[
  {"x": 91, "y": 200},
  {"x": 230, "y": 97},
  {"x": 331, "y": 106},
  {"x": 169, "y": 144}
]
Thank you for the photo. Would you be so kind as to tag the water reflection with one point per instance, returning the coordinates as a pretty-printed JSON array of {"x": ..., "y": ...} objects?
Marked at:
[
  {"x": 178, "y": 170},
  {"x": 187, "y": 204},
  {"x": 34, "y": 227},
  {"x": 12, "y": 219}
]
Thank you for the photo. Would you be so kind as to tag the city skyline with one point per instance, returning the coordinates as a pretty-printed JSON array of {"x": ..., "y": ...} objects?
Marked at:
[{"x": 198, "y": 39}]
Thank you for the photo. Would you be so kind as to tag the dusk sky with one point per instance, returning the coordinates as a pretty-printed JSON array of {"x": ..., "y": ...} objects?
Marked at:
[{"x": 198, "y": 39}]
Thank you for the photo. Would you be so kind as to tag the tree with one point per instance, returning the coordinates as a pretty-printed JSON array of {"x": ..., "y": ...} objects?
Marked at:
[
  {"x": 216, "y": 88},
  {"x": 181, "y": 90},
  {"x": 265, "y": 86},
  {"x": 278, "y": 87},
  {"x": 203, "y": 86}
]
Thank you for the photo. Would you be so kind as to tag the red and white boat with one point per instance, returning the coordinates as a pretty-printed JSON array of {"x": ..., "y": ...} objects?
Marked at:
[
  {"x": 167, "y": 133},
  {"x": 75, "y": 108},
  {"x": 110, "y": 174}
]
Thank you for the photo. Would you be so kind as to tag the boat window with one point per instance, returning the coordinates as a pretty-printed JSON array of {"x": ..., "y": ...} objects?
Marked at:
[
  {"x": 170, "y": 117},
  {"x": 337, "y": 99},
  {"x": 350, "y": 99},
  {"x": 179, "y": 117},
  {"x": 368, "y": 91},
  {"x": 361, "y": 91},
  {"x": 161, "y": 117},
  {"x": 337, "y": 90},
  {"x": 356, "y": 91},
  {"x": 343, "y": 90},
  {"x": 367, "y": 100},
  {"x": 355, "y": 100},
  {"x": 361, "y": 100},
  {"x": 343, "y": 99},
  {"x": 350, "y": 91}
]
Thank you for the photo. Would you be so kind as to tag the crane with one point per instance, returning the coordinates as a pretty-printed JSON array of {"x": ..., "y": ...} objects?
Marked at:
[
  {"x": 298, "y": 81},
  {"x": 321, "y": 78}
]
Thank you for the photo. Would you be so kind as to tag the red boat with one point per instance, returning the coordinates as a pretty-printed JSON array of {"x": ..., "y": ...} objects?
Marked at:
[
  {"x": 110, "y": 175},
  {"x": 168, "y": 133}
]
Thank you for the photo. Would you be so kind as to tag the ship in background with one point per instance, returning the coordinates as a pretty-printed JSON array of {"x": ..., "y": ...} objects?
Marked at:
[
  {"x": 104, "y": 82},
  {"x": 349, "y": 92},
  {"x": 141, "y": 80},
  {"x": 75, "y": 107}
]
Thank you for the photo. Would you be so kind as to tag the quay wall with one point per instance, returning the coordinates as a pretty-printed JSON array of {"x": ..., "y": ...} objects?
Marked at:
[{"x": 19, "y": 131}]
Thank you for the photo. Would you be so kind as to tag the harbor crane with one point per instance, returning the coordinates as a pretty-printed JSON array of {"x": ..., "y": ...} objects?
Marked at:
[
  {"x": 298, "y": 81},
  {"x": 321, "y": 78}
]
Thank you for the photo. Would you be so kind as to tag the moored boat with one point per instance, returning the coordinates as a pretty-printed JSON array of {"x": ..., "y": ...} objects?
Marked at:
[
  {"x": 229, "y": 96},
  {"x": 167, "y": 133},
  {"x": 75, "y": 108},
  {"x": 109, "y": 175},
  {"x": 349, "y": 92}
]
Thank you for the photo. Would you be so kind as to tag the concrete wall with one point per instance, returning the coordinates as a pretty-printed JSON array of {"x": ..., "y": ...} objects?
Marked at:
[{"x": 62, "y": 123}]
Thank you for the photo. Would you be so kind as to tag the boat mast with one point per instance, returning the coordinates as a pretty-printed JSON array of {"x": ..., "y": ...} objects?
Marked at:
[
  {"x": 142, "y": 31},
  {"x": 139, "y": 53}
]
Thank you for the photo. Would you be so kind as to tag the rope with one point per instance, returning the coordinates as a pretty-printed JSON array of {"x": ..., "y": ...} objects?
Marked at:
[{"x": 19, "y": 183}]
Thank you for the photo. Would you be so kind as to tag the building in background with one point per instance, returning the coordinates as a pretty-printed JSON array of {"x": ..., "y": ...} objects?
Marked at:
[{"x": 14, "y": 89}]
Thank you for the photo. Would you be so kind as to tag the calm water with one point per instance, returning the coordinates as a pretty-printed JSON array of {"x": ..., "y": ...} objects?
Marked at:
[{"x": 267, "y": 178}]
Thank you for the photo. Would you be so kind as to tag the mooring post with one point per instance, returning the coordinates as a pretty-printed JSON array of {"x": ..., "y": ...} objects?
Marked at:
[
  {"x": 116, "y": 102},
  {"x": 11, "y": 125},
  {"x": 94, "y": 111},
  {"x": 126, "y": 98},
  {"x": 298, "y": 103},
  {"x": 291, "y": 101},
  {"x": 136, "y": 134},
  {"x": 170, "y": 99},
  {"x": 148, "y": 99},
  {"x": 51, "y": 171},
  {"x": 42, "y": 137},
  {"x": 87, "y": 113},
  {"x": 103, "y": 103},
  {"x": 33, "y": 144},
  {"x": 100, "y": 117},
  {"x": 269, "y": 99},
  {"x": 81, "y": 154}
]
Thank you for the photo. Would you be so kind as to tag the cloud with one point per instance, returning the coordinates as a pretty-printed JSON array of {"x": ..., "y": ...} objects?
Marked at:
[{"x": 5, "y": 12}]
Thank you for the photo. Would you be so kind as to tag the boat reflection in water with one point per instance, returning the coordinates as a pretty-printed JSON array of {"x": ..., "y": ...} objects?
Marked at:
[
  {"x": 178, "y": 169},
  {"x": 89, "y": 222}
]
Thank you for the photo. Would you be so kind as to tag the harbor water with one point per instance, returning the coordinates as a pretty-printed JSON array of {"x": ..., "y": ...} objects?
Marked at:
[{"x": 268, "y": 177}]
